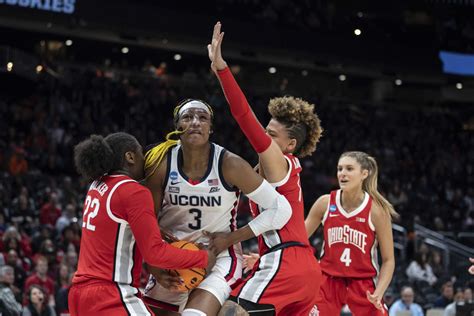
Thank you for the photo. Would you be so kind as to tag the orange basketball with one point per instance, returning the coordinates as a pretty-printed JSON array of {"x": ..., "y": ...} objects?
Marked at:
[{"x": 191, "y": 277}]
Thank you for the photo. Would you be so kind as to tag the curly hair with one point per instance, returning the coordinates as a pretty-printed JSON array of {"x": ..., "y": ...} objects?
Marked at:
[
  {"x": 97, "y": 155},
  {"x": 300, "y": 120}
]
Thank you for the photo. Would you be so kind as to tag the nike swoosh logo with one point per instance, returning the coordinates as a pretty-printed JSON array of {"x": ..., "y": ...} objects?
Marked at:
[
  {"x": 333, "y": 215},
  {"x": 175, "y": 182}
]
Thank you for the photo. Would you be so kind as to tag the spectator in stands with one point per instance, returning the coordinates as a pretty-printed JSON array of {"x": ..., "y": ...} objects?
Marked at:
[
  {"x": 25, "y": 241},
  {"x": 48, "y": 250},
  {"x": 23, "y": 207},
  {"x": 436, "y": 264},
  {"x": 10, "y": 233},
  {"x": 406, "y": 303},
  {"x": 69, "y": 193},
  {"x": 68, "y": 237},
  {"x": 62, "y": 287},
  {"x": 18, "y": 165},
  {"x": 17, "y": 264},
  {"x": 420, "y": 270},
  {"x": 468, "y": 298},
  {"x": 8, "y": 304},
  {"x": 64, "y": 276},
  {"x": 21, "y": 242},
  {"x": 50, "y": 212},
  {"x": 10, "y": 243},
  {"x": 71, "y": 257},
  {"x": 45, "y": 232},
  {"x": 66, "y": 218},
  {"x": 41, "y": 278},
  {"x": 462, "y": 296},
  {"x": 22, "y": 214},
  {"x": 37, "y": 305},
  {"x": 446, "y": 297}
]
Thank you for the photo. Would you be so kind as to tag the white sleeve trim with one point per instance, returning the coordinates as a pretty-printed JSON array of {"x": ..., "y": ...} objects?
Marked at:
[
  {"x": 325, "y": 216},
  {"x": 371, "y": 224},
  {"x": 285, "y": 179}
]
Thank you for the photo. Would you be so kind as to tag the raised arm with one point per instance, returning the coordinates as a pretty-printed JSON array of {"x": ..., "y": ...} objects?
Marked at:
[
  {"x": 271, "y": 157},
  {"x": 316, "y": 214}
]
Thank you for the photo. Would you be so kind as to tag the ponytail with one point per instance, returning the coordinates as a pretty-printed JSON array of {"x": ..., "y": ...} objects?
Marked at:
[
  {"x": 155, "y": 155},
  {"x": 370, "y": 183}
]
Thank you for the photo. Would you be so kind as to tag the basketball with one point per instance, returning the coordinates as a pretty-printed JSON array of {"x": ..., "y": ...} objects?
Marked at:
[{"x": 191, "y": 277}]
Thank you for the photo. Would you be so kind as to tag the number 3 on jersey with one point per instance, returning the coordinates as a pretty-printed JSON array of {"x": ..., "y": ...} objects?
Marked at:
[
  {"x": 88, "y": 216},
  {"x": 346, "y": 257},
  {"x": 196, "y": 224}
]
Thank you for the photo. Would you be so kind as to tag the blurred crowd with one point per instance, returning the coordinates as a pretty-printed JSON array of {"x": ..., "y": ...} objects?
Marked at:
[{"x": 425, "y": 156}]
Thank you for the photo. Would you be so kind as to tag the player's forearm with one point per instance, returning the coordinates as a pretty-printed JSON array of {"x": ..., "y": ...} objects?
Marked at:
[
  {"x": 242, "y": 112},
  {"x": 165, "y": 256},
  {"x": 234, "y": 95},
  {"x": 158, "y": 253},
  {"x": 241, "y": 234},
  {"x": 385, "y": 277}
]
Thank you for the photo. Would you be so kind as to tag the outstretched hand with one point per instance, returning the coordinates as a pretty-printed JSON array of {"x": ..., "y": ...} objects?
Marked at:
[
  {"x": 249, "y": 261},
  {"x": 471, "y": 268},
  {"x": 214, "y": 49}
]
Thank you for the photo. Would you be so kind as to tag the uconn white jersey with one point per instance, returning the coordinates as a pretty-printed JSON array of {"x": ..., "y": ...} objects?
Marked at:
[{"x": 210, "y": 204}]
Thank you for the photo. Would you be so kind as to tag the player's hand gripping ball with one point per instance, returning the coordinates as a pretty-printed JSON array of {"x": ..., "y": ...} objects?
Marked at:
[{"x": 191, "y": 277}]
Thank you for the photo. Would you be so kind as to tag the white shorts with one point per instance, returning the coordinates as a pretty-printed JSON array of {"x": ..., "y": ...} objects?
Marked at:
[{"x": 227, "y": 270}]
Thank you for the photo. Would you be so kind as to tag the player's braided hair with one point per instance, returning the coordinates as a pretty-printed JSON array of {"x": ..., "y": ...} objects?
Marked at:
[
  {"x": 300, "y": 120},
  {"x": 97, "y": 155},
  {"x": 155, "y": 155}
]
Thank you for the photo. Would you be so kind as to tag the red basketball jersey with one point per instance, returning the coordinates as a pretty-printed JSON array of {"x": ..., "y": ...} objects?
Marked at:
[
  {"x": 294, "y": 230},
  {"x": 350, "y": 246},
  {"x": 118, "y": 218}
]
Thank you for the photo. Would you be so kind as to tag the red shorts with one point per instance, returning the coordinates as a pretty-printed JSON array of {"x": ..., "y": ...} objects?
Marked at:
[
  {"x": 103, "y": 298},
  {"x": 336, "y": 292},
  {"x": 288, "y": 279}
]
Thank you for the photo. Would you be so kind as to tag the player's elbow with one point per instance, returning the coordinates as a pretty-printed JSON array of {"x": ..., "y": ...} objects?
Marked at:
[{"x": 283, "y": 213}]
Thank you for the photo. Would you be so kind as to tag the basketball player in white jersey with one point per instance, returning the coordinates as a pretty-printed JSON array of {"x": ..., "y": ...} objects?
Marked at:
[{"x": 195, "y": 184}]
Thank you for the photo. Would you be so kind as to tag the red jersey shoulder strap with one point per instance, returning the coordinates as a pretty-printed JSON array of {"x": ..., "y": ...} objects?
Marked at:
[
  {"x": 331, "y": 206},
  {"x": 332, "y": 198}
]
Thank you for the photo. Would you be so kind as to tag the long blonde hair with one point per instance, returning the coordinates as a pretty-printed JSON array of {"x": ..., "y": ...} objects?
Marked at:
[
  {"x": 155, "y": 155},
  {"x": 370, "y": 183}
]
